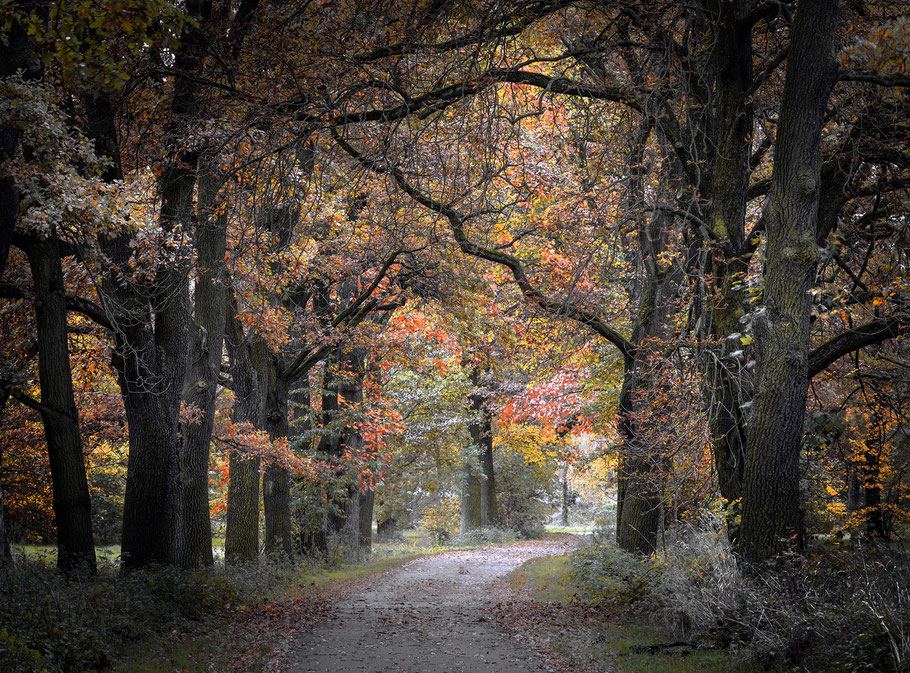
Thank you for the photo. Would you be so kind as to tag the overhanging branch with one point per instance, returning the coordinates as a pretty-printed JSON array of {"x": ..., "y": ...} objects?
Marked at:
[
  {"x": 456, "y": 222},
  {"x": 866, "y": 335}
]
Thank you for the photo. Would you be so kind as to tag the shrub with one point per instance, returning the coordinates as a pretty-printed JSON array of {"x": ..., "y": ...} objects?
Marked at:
[
  {"x": 441, "y": 519},
  {"x": 57, "y": 625},
  {"x": 481, "y": 536},
  {"x": 524, "y": 491},
  {"x": 603, "y": 574},
  {"x": 838, "y": 610}
]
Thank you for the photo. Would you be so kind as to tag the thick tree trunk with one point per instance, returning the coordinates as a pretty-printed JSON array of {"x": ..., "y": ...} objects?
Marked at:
[
  {"x": 210, "y": 307},
  {"x": 488, "y": 513},
  {"x": 641, "y": 504},
  {"x": 150, "y": 382},
  {"x": 350, "y": 392},
  {"x": 151, "y": 403},
  {"x": 481, "y": 429},
  {"x": 329, "y": 440},
  {"x": 276, "y": 482},
  {"x": 728, "y": 386},
  {"x": 367, "y": 500},
  {"x": 241, "y": 537},
  {"x": 771, "y": 506},
  {"x": 72, "y": 504},
  {"x": 386, "y": 527},
  {"x": 152, "y": 355},
  {"x": 152, "y": 365},
  {"x": 6, "y": 554},
  {"x": 470, "y": 498}
]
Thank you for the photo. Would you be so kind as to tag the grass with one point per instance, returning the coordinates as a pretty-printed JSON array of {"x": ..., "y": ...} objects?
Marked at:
[
  {"x": 167, "y": 620},
  {"x": 212, "y": 646},
  {"x": 48, "y": 553},
  {"x": 577, "y": 528},
  {"x": 214, "y": 643},
  {"x": 613, "y": 646}
]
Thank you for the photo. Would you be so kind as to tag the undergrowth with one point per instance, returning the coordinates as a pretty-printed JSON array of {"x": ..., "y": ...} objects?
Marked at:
[
  {"x": 831, "y": 610},
  {"x": 52, "y": 623}
]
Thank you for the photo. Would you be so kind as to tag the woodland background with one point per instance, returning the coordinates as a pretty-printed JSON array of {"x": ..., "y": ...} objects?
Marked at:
[{"x": 273, "y": 272}]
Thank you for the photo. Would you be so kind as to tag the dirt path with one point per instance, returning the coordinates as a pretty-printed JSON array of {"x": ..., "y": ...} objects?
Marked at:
[{"x": 429, "y": 616}]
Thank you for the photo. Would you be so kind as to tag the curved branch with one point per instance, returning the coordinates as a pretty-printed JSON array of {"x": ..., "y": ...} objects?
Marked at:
[
  {"x": 86, "y": 307},
  {"x": 469, "y": 247},
  {"x": 866, "y": 335}
]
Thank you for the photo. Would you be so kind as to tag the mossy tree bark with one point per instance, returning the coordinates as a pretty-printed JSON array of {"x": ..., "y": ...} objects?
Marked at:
[
  {"x": 771, "y": 518},
  {"x": 241, "y": 539},
  {"x": 194, "y": 537}
]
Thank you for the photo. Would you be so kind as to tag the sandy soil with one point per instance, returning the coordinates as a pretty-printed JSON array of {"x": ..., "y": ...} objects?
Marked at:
[{"x": 433, "y": 615}]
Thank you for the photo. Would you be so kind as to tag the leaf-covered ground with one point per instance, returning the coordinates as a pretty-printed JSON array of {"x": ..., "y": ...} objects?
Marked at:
[{"x": 433, "y": 615}]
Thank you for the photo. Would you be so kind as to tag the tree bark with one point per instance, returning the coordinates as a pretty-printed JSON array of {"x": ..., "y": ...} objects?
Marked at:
[
  {"x": 367, "y": 500},
  {"x": 72, "y": 504},
  {"x": 241, "y": 538},
  {"x": 564, "y": 498},
  {"x": 204, "y": 366},
  {"x": 470, "y": 497},
  {"x": 771, "y": 506},
  {"x": 481, "y": 429},
  {"x": 351, "y": 395},
  {"x": 276, "y": 482}
]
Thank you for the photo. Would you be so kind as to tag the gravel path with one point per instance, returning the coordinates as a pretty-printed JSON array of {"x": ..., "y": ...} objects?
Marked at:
[{"x": 429, "y": 616}]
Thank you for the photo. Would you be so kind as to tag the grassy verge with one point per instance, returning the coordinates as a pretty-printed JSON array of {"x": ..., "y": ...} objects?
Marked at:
[
  {"x": 223, "y": 619},
  {"x": 600, "y": 639},
  {"x": 242, "y": 637}
]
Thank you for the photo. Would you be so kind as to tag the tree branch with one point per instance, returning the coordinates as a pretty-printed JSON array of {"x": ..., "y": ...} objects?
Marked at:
[
  {"x": 86, "y": 307},
  {"x": 469, "y": 247},
  {"x": 847, "y": 342},
  {"x": 874, "y": 77}
]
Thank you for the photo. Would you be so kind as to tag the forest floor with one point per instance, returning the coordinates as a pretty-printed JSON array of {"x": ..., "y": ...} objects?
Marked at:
[{"x": 433, "y": 615}]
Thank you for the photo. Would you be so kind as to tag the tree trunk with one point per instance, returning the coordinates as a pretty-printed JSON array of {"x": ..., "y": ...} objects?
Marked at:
[
  {"x": 470, "y": 498},
  {"x": 386, "y": 527},
  {"x": 367, "y": 499},
  {"x": 727, "y": 386},
  {"x": 6, "y": 554},
  {"x": 276, "y": 482},
  {"x": 641, "y": 505},
  {"x": 153, "y": 369},
  {"x": 72, "y": 504},
  {"x": 210, "y": 307},
  {"x": 147, "y": 357},
  {"x": 564, "y": 501},
  {"x": 771, "y": 507},
  {"x": 351, "y": 395},
  {"x": 241, "y": 537},
  {"x": 481, "y": 429}
]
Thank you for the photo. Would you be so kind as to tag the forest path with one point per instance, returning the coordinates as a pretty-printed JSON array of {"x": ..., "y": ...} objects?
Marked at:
[{"x": 431, "y": 615}]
